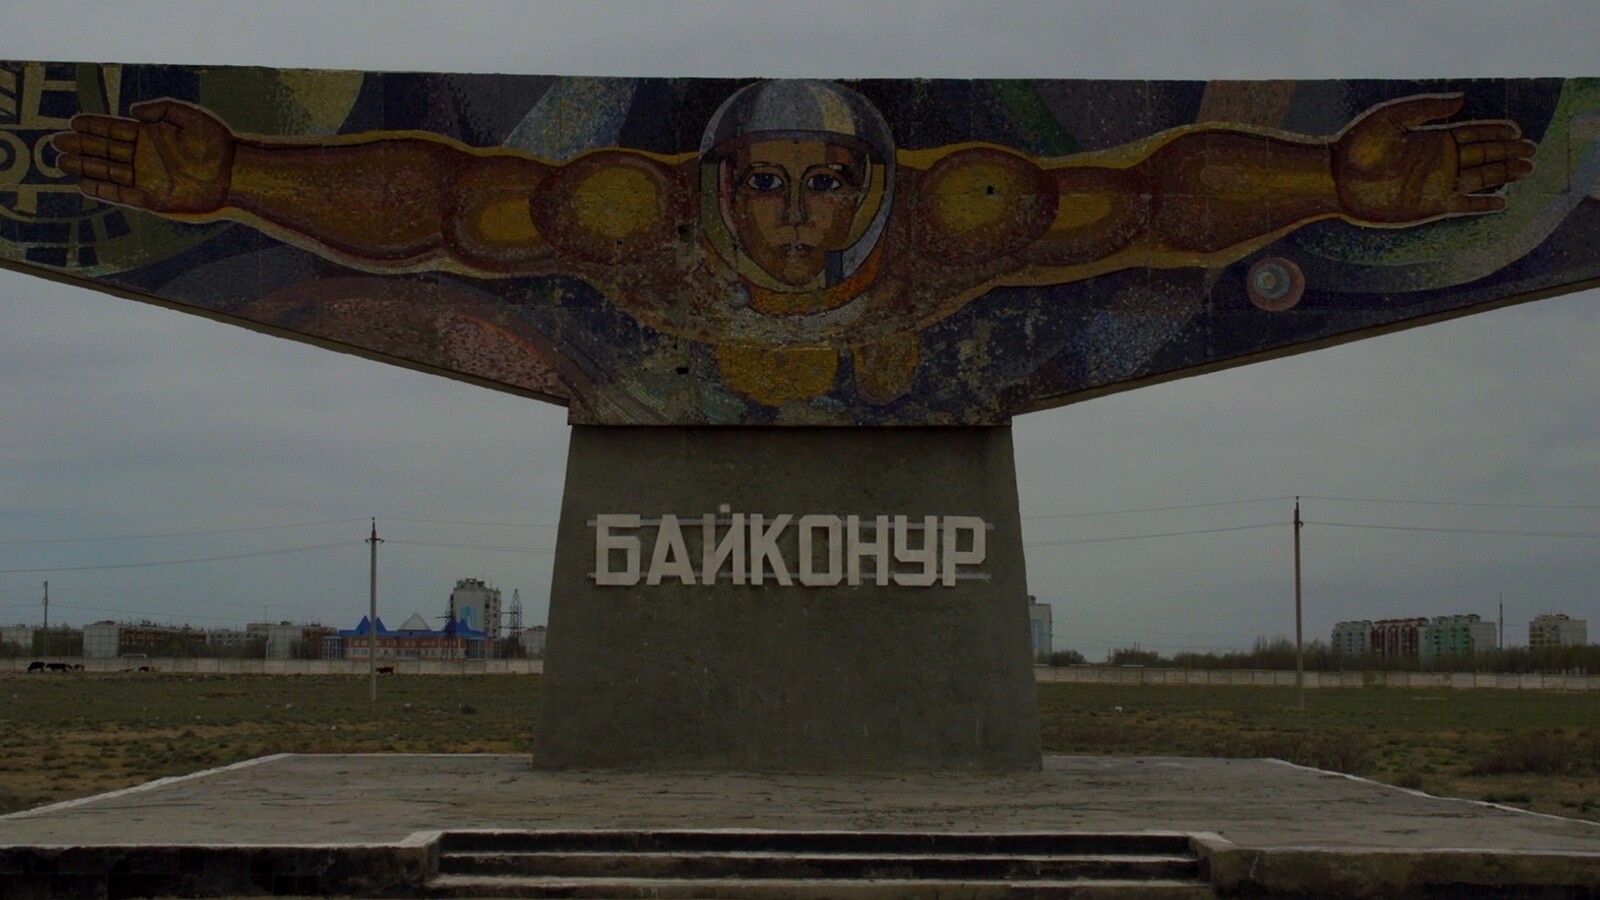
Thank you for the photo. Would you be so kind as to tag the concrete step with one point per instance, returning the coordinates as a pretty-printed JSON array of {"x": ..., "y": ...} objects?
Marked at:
[
  {"x": 755, "y": 840},
  {"x": 482, "y": 886},
  {"x": 830, "y": 865},
  {"x": 812, "y": 865}
]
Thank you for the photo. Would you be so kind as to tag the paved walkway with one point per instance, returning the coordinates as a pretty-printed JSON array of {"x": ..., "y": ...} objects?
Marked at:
[{"x": 1262, "y": 806}]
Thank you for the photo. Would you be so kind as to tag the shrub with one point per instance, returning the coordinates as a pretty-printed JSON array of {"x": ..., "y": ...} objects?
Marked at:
[
  {"x": 1335, "y": 751},
  {"x": 1545, "y": 752}
]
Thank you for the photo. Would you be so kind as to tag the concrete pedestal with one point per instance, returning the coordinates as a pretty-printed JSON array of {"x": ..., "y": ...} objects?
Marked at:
[{"x": 654, "y": 663}]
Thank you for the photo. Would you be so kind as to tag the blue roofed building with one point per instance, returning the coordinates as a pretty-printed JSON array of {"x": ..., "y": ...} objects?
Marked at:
[{"x": 412, "y": 640}]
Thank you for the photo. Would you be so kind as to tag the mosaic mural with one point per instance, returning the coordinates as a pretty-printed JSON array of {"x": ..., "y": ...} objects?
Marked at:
[{"x": 702, "y": 251}]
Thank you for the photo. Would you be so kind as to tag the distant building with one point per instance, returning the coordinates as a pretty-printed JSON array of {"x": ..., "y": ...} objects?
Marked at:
[
  {"x": 1557, "y": 630},
  {"x": 100, "y": 640},
  {"x": 1447, "y": 635},
  {"x": 532, "y": 641},
  {"x": 228, "y": 640},
  {"x": 1397, "y": 639},
  {"x": 476, "y": 606},
  {"x": 109, "y": 640},
  {"x": 1039, "y": 624},
  {"x": 1352, "y": 638},
  {"x": 413, "y": 640},
  {"x": 20, "y": 636},
  {"x": 1417, "y": 637},
  {"x": 286, "y": 640}
]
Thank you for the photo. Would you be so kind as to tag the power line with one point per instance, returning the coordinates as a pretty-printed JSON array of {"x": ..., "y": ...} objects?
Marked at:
[
  {"x": 470, "y": 546},
  {"x": 141, "y": 537},
  {"x": 1140, "y": 537},
  {"x": 1279, "y": 499},
  {"x": 485, "y": 524},
  {"x": 147, "y": 613},
  {"x": 1495, "y": 531},
  {"x": 181, "y": 562},
  {"x": 1587, "y": 506},
  {"x": 1119, "y": 512}
]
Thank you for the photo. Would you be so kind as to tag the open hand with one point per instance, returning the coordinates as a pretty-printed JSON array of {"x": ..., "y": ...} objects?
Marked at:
[
  {"x": 171, "y": 157},
  {"x": 1391, "y": 167}
]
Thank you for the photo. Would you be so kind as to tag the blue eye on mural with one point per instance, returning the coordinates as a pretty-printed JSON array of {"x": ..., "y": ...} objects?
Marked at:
[
  {"x": 824, "y": 182},
  {"x": 765, "y": 182}
]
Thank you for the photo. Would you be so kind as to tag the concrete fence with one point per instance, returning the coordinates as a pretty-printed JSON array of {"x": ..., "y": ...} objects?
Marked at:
[
  {"x": 1275, "y": 678},
  {"x": 285, "y": 666},
  {"x": 1044, "y": 674}
]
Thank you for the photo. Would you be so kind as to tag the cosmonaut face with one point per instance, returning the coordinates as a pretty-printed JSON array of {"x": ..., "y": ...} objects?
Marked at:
[{"x": 793, "y": 202}]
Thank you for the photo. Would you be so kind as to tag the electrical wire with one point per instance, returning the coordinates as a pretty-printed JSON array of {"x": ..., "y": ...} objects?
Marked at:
[
  {"x": 1140, "y": 537},
  {"x": 141, "y": 537},
  {"x": 1494, "y": 531},
  {"x": 179, "y": 562},
  {"x": 475, "y": 524},
  {"x": 1586, "y": 506},
  {"x": 469, "y": 546},
  {"x": 1120, "y": 512}
]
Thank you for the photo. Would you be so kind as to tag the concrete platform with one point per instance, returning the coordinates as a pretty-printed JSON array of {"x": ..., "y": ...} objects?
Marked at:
[{"x": 370, "y": 824}]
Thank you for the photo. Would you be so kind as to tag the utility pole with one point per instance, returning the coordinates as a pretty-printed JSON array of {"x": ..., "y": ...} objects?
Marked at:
[
  {"x": 1299, "y": 646},
  {"x": 372, "y": 617},
  {"x": 1500, "y": 633},
  {"x": 46, "y": 642}
]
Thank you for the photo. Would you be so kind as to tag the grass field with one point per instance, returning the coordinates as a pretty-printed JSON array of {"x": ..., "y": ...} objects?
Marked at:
[{"x": 65, "y": 736}]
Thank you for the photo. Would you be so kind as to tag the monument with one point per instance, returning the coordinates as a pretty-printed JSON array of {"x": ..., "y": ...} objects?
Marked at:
[{"x": 792, "y": 320}]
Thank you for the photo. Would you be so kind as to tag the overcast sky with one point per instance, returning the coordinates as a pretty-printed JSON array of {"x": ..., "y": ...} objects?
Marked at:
[{"x": 132, "y": 437}]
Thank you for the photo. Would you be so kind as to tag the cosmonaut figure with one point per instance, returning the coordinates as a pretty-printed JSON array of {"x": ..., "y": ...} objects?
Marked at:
[{"x": 799, "y": 234}]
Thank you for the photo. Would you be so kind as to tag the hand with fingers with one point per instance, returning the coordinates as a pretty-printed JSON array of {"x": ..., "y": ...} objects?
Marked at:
[
  {"x": 1391, "y": 167},
  {"x": 170, "y": 157}
]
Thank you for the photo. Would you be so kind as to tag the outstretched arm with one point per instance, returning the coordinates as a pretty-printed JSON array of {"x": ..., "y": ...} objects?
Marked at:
[
  {"x": 384, "y": 201},
  {"x": 1388, "y": 168},
  {"x": 1208, "y": 196},
  {"x": 1392, "y": 168},
  {"x": 379, "y": 200}
]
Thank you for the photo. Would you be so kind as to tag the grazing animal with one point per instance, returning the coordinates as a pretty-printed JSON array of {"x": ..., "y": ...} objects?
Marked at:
[
  {"x": 386, "y": 670},
  {"x": 36, "y": 666},
  {"x": 58, "y": 667}
]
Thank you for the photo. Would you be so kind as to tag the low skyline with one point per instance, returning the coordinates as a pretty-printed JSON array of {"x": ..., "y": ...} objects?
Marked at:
[{"x": 1440, "y": 469}]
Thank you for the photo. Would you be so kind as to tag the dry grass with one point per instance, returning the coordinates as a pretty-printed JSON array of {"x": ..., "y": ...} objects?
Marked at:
[
  {"x": 65, "y": 736},
  {"x": 1493, "y": 745},
  {"x": 1553, "y": 751}
]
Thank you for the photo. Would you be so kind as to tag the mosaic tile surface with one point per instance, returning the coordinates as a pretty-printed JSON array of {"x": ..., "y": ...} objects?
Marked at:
[{"x": 703, "y": 251}]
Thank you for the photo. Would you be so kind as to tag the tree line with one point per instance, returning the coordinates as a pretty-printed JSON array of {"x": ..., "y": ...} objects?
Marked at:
[{"x": 1279, "y": 653}]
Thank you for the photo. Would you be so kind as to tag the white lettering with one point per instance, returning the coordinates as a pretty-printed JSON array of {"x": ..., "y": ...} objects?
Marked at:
[
  {"x": 714, "y": 553},
  {"x": 764, "y": 547},
  {"x": 877, "y": 549},
  {"x": 808, "y": 574},
  {"x": 927, "y": 555},
  {"x": 669, "y": 543},
  {"x": 823, "y": 551},
  {"x": 952, "y": 554},
  {"x": 605, "y": 542}
]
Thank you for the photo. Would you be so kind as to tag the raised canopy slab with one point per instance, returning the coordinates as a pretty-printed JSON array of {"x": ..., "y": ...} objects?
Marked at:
[{"x": 704, "y": 251}]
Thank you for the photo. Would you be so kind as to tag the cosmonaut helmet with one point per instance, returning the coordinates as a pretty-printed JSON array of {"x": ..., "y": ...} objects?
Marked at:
[{"x": 798, "y": 109}]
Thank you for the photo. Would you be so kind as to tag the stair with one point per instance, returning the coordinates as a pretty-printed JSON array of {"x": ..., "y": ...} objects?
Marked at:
[{"x": 802, "y": 865}]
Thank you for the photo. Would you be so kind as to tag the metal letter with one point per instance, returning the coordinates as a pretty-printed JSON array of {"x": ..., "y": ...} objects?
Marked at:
[{"x": 605, "y": 542}]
